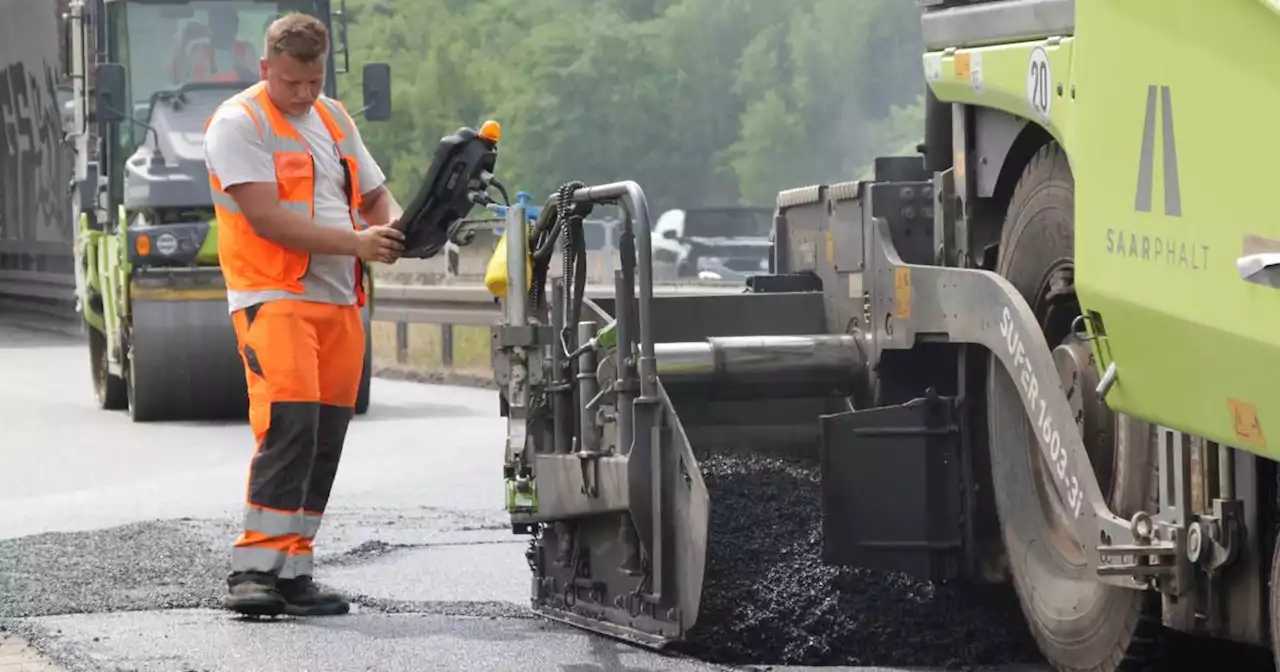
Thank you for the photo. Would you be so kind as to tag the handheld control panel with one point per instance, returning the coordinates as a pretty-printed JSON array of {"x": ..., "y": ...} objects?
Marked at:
[{"x": 460, "y": 174}]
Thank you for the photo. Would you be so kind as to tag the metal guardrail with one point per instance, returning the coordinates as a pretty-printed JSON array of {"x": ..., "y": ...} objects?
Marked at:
[
  {"x": 419, "y": 330},
  {"x": 474, "y": 305},
  {"x": 44, "y": 292},
  {"x": 463, "y": 304},
  {"x": 38, "y": 284},
  {"x": 439, "y": 333},
  {"x": 459, "y": 297}
]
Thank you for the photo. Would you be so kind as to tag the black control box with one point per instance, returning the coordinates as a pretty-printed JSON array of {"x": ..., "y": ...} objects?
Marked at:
[{"x": 457, "y": 173}]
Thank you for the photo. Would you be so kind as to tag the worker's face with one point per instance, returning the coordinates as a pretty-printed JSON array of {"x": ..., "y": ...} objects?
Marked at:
[
  {"x": 223, "y": 27},
  {"x": 292, "y": 84}
]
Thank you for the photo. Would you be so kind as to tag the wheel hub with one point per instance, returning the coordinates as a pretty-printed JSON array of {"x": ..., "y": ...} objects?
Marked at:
[
  {"x": 1094, "y": 421},
  {"x": 1078, "y": 373}
]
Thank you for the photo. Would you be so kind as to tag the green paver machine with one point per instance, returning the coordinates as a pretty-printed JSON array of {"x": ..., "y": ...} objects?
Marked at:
[{"x": 1045, "y": 351}]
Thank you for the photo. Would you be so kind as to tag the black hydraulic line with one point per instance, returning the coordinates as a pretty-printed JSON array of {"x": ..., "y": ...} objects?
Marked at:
[
  {"x": 541, "y": 244},
  {"x": 560, "y": 218},
  {"x": 574, "y": 261},
  {"x": 502, "y": 189}
]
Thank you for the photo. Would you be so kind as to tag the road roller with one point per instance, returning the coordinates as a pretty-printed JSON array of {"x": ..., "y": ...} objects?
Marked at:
[
  {"x": 1036, "y": 355},
  {"x": 149, "y": 286}
]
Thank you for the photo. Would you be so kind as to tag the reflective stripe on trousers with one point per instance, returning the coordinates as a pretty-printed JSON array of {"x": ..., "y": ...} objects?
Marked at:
[{"x": 276, "y": 542}]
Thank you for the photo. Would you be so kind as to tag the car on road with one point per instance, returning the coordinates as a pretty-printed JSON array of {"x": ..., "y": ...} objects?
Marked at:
[{"x": 715, "y": 243}]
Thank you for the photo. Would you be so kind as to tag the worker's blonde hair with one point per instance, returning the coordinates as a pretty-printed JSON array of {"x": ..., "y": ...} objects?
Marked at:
[{"x": 299, "y": 35}]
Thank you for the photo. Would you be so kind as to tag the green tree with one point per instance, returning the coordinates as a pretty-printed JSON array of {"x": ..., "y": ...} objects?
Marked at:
[{"x": 700, "y": 101}]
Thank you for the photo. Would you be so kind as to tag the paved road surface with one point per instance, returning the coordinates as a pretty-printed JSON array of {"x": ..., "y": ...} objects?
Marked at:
[{"x": 114, "y": 538}]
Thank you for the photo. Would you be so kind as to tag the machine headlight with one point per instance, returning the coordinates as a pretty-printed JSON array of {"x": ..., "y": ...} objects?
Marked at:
[{"x": 166, "y": 244}]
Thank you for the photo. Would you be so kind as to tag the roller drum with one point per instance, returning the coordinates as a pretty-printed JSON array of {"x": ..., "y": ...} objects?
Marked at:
[{"x": 184, "y": 363}]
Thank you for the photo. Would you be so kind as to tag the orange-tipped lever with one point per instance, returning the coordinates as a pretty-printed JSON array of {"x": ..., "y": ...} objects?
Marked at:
[{"x": 491, "y": 131}]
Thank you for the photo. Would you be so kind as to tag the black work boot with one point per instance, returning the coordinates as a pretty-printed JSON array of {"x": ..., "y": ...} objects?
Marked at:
[
  {"x": 254, "y": 594},
  {"x": 303, "y": 598}
]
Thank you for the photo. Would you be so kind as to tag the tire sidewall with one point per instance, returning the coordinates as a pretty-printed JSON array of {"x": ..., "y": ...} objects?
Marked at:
[{"x": 1080, "y": 623}]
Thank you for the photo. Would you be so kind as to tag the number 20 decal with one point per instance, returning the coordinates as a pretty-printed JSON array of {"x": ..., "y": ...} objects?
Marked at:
[{"x": 1040, "y": 83}]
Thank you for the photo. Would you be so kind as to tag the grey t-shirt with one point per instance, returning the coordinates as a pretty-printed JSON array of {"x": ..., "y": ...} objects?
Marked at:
[{"x": 236, "y": 154}]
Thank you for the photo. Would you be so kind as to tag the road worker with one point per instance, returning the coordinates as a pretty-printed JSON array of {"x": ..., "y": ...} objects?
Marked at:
[
  {"x": 178, "y": 67},
  {"x": 299, "y": 203},
  {"x": 222, "y": 57}
]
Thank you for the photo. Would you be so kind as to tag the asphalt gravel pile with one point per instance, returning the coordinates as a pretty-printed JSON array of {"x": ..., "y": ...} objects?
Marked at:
[
  {"x": 769, "y": 599},
  {"x": 171, "y": 564},
  {"x": 155, "y": 565}
]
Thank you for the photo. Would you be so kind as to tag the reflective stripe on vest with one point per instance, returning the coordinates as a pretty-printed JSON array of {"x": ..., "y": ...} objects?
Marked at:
[
  {"x": 251, "y": 262},
  {"x": 342, "y": 128}
]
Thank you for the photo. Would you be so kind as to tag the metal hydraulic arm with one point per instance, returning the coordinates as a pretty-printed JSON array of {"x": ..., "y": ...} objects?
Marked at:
[{"x": 917, "y": 303}]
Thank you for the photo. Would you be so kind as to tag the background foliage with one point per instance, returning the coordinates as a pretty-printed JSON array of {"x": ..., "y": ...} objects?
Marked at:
[{"x": 703, "y": 102}]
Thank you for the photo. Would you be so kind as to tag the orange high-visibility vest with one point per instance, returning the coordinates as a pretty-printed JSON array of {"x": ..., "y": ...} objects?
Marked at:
[
  {"x": 202, "y": 69},
  {"x": 249, "y": 261}
]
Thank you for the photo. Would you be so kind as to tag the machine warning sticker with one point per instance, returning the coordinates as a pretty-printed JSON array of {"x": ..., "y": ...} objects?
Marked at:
[
  {"x": 968, "y": 66},
  {"x": 902, "y": 293},
  {"x": 1244, "y": 418},
  {"x": 1040, "y": 83},
  {"x": 932, "y": 67},
  {"x": 961, "y": 63}
]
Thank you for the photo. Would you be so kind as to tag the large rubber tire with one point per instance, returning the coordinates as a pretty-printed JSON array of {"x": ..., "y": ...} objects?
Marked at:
[
  {"x": 109, "y": 390},
  {"x": 137, "y": 412},
  {"x": 1080, "y": 624}
]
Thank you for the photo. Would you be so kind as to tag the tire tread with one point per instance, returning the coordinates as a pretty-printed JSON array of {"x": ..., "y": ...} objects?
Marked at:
[{"x": 1142, "y": 644}]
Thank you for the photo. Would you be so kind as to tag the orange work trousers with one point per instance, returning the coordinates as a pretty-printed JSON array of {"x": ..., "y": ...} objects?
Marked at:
[{"x": 303, "y": 362}]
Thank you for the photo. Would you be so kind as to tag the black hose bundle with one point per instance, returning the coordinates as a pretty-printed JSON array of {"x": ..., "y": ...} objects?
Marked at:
[
  {"x": 575, "y": 262},
  {"x": 561, "y": 218}
]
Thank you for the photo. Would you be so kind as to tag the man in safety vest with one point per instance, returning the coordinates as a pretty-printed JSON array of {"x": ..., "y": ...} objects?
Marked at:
[
  {"x": 222, "y": 58},
  {"x": 299, "y": 204}
]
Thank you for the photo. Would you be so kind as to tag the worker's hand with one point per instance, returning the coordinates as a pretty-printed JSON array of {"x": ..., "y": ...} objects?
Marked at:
[{"x": 379, "y": 243}]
